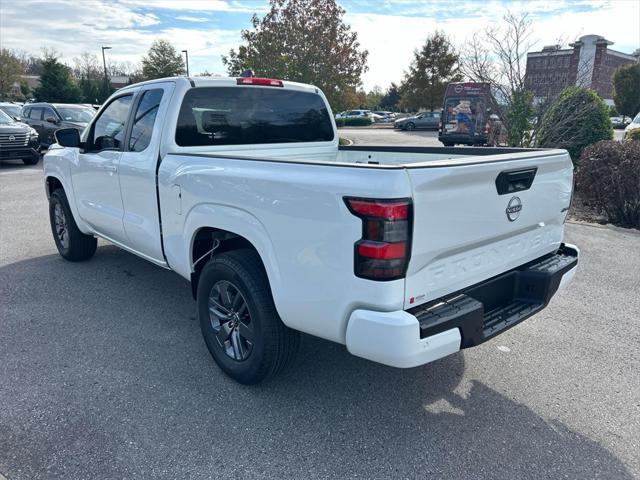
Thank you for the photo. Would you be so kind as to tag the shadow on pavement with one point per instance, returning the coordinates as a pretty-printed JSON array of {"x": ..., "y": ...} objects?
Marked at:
[{"x": 104, "y": 374}]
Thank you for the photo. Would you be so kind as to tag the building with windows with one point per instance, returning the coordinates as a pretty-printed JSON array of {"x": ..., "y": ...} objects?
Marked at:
[{"x": 588, "y": 63}]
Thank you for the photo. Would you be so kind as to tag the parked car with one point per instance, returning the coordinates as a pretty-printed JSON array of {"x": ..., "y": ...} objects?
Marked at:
[
  {"x": 11, "y": 109},
  {"x": 619, "y": 122},
  {"x": 359, "y": 114},
  {"x": 18, "y": 141},
  {"x": 635, "y": 123},
  {"x": 426, "y": 120},
  {"x": 385, "y": 117},
  {"x": 403, "y": 254},
  {"x": 46, "y": 118}
]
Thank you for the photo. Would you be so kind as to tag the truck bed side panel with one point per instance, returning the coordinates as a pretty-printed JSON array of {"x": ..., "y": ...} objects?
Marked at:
[{"x": 295, "y": 216}]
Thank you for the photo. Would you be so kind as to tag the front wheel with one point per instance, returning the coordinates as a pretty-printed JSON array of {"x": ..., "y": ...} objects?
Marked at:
[
  {"x": 410, "y": 126},
  {"x": 238, "y": 318},
  {"x": 71, "y": 243}
]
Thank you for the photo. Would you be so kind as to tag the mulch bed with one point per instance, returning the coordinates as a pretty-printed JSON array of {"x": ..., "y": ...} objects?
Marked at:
[{"x": 583, "y": 212}]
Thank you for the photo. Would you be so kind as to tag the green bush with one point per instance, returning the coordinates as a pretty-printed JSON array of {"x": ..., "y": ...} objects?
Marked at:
[
  {"x": 608, "y": 178},
  {"x": 633, "y": 135},
  {"x": 353, "y": 122},
  {"x": 578, "y": 118}
]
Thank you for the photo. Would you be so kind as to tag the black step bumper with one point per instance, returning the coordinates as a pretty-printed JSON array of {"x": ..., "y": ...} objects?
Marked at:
[{"x": 493, "y": 306}]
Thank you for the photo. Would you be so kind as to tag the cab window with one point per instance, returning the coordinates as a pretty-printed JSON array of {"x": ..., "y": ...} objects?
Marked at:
[
  {"x": 250, "y": 115},
  {"x": 109, "y": 130}
]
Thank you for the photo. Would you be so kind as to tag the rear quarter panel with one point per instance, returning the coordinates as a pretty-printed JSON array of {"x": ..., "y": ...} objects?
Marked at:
[{"x": 295, "y": 217}]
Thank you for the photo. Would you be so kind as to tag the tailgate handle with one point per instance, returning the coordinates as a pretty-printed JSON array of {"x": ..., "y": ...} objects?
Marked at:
[{"x": 511, "y": 181}]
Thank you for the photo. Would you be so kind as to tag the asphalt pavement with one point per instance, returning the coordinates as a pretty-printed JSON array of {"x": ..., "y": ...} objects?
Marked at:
[
  {"x": 389, "y": 136},
  {"x": 104, "y": 374}
]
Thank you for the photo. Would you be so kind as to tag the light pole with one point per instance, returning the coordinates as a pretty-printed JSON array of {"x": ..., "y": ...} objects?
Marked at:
[
  {"x": 106, "y": 77},
  {"x": 186, "y": 54}
]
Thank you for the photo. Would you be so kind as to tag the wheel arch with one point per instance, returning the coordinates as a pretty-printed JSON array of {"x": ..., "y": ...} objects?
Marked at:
[
  {"x": 207, "y": 242},
  {"x": 234, "y": 229},
  {"x": 52, "y": 183}
]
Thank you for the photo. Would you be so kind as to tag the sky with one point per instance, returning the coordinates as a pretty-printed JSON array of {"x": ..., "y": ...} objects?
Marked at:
[{"x": 389, "y": 30}]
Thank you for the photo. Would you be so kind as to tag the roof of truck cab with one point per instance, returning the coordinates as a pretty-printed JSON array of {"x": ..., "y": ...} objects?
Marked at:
[{"x": 220, "y": 82}]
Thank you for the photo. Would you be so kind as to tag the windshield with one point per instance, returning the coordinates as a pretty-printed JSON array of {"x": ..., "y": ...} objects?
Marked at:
[
  {"x": 4, "y": 118},
  {"x": 464, "y": 114},
  {"x": 12, "y": 110},
  {"x": 637, "y": 119},
  {"x": 249, "y": 115},
  {"x": 76, "y": 114}
]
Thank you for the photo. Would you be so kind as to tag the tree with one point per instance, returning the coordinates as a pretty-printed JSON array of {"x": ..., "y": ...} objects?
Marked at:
[
  {"x": 304, "y": 41},
  {"x": 578, "y": 118},
  {"x": 10, "y": 71},
  {"x": 434, "y": 66},
  {"x": 91, "y": 80},
  {"x": 498, "y": 56},
  {"x": 391, "y": 98},
  {"x": 518, "y": 114},
  {"x": 626, "y": 85},
  {"x": 162, "y": 60},
  {"x": 56, "y": 84},
  {"x": 374, "y": 97}
]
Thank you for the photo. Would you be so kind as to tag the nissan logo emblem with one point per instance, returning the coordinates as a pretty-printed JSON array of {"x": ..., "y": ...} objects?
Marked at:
[{"x": 513, "y": 209}]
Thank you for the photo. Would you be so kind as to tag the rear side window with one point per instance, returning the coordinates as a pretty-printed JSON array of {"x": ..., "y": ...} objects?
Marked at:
[
  {"x": 144, "y": 120},
  {"x": 36, "y": 113},
  {"x": 251, "y": 115}
]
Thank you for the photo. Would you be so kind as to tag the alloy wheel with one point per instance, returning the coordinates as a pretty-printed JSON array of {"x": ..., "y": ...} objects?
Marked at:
[
  {"x": 231, "y": 320},
  {"x": 60, "y": 223}
]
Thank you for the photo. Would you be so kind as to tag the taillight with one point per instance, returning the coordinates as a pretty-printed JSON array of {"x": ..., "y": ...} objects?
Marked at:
[
  {"x": 384, "y": 249},
  {"x": 487, "y": 128},
  {"x": 266, "y": 82}
]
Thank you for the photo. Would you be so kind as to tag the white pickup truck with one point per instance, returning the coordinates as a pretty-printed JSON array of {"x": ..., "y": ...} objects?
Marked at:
[{"x": 402, "y": 254}]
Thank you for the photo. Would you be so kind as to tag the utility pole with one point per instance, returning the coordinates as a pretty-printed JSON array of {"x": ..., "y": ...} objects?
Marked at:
[
  {"x": 186, "y": 54},
  {"x": 106, "y": 77}
]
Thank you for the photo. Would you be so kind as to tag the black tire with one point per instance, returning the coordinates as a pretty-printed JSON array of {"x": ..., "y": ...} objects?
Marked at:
[
  {"x": 32, "y": 160},
  {"x": 72, "y": 244},
  {"x": 410, "y": 126},
  {"x": 272, "y": 346},
  {"x": 447, "y": 144}
]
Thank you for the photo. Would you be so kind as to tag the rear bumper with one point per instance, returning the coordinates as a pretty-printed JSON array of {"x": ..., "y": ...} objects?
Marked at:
[{"x": 461, "y": 320}]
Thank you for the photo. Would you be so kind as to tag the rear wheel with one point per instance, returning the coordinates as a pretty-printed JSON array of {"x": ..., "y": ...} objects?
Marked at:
[
  {"x": 239, "y": 321},
  {"x": 71, "y": 243},
  {"x": 447, "y": 144}
]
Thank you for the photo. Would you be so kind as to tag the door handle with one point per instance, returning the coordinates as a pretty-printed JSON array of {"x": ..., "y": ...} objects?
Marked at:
[
  {"x": 511, "y": 181},
  {"x": 110, "y": 168}
]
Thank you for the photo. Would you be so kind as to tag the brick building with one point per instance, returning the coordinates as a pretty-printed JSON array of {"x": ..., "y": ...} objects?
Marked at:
[{"x": 588, "y": 63}]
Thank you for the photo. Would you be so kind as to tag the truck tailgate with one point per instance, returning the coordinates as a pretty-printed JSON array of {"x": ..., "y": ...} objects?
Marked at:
[{"x": 465, "y": 231}]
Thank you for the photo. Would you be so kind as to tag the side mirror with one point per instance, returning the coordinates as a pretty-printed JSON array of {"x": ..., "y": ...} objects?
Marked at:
[
  {"x": 17, "y": 119},
  {"x": 68, "y": 137},
  {"x": 52, "y": 120}
]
